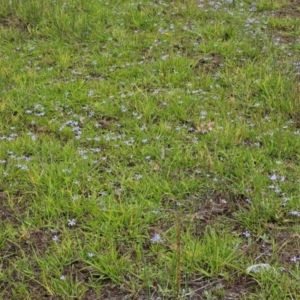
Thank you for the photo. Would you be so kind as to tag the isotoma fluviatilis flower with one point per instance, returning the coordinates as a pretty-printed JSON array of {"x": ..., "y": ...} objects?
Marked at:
[
  {"x": 294, "y": 259},
  {"x": 246, "y": 234},
  {"x": 294, "y": 213},
  {"x": 71, "y": 222},
  {"x": 156, "y": 238}
]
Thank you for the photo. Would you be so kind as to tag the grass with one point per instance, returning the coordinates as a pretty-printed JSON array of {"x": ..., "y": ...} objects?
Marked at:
[{"x": 149, "y": 149}]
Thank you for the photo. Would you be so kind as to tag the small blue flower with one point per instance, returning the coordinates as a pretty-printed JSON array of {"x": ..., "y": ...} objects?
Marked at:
[
  {"x": 294, "y": 213},
  {"x": 156, "y": 238},
  {"x": 246, "y": 234},
  {"x": 294, "y": 259}
]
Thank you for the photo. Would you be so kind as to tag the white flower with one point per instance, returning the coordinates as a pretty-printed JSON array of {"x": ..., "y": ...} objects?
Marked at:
[{"x": 71, "y": 222}]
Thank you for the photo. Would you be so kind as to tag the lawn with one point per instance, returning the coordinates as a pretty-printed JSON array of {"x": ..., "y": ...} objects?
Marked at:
[{"x": 149, "y": 149}]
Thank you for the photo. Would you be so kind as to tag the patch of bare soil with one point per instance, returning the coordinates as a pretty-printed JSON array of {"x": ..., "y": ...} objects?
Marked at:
[
  {"x": 227, "y": 290},
  {"x": 220, "y": 288},
  {"x": 13, "y": 22},
  {"x": 40, "y": 293},
  {"x": 215, "y": 205},
  {"x": 291, "y": 9},
  {"x": 240, "y": 288},
  {"x": 37, "y": 240},
  {"x": 115, "y": 293},
  {"x": 36, "y": 295},
  {"x": 29, "y": 243},
  {"x": 208, "y": 64},
  {"x": 78, "y": 270},
  {"x": 91, "y": 295},
  {"x": 7, "y": 213},
  {"x": 288, "y": 35},
  {"x": 288, "y": 246}
]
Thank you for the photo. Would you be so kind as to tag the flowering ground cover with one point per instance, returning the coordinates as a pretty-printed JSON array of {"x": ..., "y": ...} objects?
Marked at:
[{"x": 149, "y": 149}]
